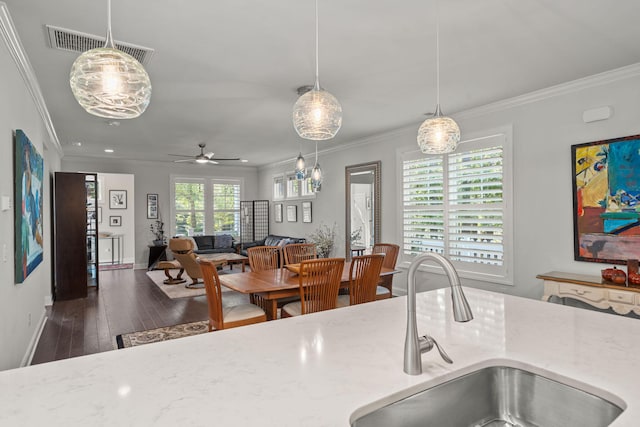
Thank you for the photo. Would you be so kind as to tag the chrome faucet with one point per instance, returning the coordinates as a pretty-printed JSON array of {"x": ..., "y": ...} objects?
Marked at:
[{"x": 414, "y": 346}]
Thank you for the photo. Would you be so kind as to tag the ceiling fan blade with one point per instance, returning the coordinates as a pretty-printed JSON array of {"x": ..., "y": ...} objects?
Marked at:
[
  {"x": 183, "y": 160},
  {"x": 212, "y": 162},
  {"x": 228, "y": 158}
]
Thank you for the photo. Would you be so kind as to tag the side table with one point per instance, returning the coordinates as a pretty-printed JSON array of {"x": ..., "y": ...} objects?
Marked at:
[
  {"x": 157, "y": 253},
  {"x": 591, "y": 290}
]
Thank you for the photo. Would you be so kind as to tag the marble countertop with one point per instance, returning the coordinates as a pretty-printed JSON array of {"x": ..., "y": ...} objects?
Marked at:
[{"x": 317, "y": 370}]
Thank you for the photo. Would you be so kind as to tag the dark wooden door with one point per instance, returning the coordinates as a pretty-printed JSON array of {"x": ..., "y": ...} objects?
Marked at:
[{"x": 70, "y": 235}]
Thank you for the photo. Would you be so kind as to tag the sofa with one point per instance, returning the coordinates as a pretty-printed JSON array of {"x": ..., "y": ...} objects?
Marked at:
[
  {"x": 270, "y": 240},
  {"x": 214, "y": 244}
]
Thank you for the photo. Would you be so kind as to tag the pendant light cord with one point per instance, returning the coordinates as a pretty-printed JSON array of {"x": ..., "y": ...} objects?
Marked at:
[
  {"x": 437, "y": 54},
  {"x": 109, "y": 43},
  {"x": 316, "y": 155},
  {"x": 317, "y": 85}
]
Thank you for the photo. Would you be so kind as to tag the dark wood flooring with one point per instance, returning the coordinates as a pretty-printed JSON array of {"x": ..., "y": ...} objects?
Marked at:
[{"x": 127, "y": 301}]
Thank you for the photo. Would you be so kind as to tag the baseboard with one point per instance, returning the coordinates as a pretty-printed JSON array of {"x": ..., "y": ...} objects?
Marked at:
[{"x": 33, "y": 344}]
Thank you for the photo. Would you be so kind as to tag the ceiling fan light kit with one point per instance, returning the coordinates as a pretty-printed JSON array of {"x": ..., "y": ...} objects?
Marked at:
[
  {"x": 110, "y": 83},
  {"x": 317, "y": 114},
  {"x": 438, "y": 134}
]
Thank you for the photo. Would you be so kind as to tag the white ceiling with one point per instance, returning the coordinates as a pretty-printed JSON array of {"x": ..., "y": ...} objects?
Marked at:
[{"x": 225, "y": 72}]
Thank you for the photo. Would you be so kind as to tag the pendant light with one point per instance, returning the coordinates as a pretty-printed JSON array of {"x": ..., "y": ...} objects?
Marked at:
[
  {"x": 109, "y": 83},
  {"x": 317, "y": 115},
  {"x": 316, "y": 175},
  {"x": 438, "y": 134},
  {"x": 301, "y": 166}
]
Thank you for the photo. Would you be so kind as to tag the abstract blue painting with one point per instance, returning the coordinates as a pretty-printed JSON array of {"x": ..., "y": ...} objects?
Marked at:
[{"x": 28, "y": 168}]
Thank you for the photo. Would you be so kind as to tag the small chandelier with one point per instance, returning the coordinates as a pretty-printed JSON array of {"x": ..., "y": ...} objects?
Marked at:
[
  {"x": 316, "y": 175},
  {"x": 317, "y": 115},
  {"x": 109, "y": 83},
  {"x": 438, "y": 134},
  {"x": 301, "y": 167}
]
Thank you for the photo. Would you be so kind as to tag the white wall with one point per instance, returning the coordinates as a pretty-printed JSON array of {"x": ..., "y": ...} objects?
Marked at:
[
  {"x": 154, "y": 177},
  {"x": 544, "y": 125},
  {"x": 115, "y": 181},
  {"x": 22, "y": 306}
]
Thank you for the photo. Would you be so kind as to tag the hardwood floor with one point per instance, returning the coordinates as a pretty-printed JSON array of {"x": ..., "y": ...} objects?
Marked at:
[{"x": 127, "y": 301}]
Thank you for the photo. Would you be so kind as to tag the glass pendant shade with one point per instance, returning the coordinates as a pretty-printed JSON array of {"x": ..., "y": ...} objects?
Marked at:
[
  {"x": 110, "y": 83},
  {"x": 316, "y": 178},
  {"x": 317, "y": 115},
  {"x": 301, "y": 167},
  {"x": 438, "y": 134}
]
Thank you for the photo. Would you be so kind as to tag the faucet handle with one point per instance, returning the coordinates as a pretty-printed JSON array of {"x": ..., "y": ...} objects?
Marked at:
[{"x": 427, "y": 342}]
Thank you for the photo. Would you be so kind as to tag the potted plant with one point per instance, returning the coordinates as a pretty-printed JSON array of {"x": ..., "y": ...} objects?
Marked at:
[
  {"x": 157, "y": 229},
  {"x": 324, "y": 238}
]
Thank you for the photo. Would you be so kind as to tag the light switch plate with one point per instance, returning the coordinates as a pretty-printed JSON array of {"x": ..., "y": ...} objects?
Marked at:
[{"x": 5, "y": 204}]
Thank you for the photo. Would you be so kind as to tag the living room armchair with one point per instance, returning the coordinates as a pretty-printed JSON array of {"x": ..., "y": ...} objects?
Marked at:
[{"x": 182, "y": 249}]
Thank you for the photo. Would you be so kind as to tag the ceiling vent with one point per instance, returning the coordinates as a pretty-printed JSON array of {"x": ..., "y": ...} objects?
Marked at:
[{"x": 75, "y": 41}]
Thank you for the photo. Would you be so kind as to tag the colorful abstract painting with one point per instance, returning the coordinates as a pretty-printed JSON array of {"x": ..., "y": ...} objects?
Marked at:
[
  {"x": 28, "y": 167},
  {"x": 606, "y": 189}
]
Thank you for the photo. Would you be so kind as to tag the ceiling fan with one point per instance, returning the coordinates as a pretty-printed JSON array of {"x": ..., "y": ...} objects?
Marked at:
[{"x": 202, "y": 157}]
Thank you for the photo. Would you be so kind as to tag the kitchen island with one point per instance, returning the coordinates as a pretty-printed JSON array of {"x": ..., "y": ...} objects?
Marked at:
[{"x": 318, "y": 369}]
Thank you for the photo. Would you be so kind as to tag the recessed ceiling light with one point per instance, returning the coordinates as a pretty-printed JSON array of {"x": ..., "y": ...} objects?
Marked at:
[
  {"x": 113, "y": 123},
  {"x": 244, "y": 160},
  {"x": 108, "y": 150},
  {"x": 76, "y": 144}
]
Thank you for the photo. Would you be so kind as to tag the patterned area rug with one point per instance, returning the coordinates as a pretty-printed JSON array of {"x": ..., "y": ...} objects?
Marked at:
[{"x": 161, "y": 334}]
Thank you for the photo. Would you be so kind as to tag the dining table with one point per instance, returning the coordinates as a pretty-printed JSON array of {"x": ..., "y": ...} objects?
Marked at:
[{"x": 276, "y": 284}]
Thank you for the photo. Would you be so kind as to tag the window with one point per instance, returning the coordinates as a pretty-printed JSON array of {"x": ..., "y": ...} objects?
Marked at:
[
  {"x": 189, "y": 207},
  {"x": 456, "y": 205},
  {"x": 288, "y": 186},
  {"x": 206, "y": 206},
  {"x": 226, "y": 207}
]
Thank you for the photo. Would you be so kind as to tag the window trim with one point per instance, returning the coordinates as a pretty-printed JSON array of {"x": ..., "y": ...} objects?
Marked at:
[{"x": 477, "y": 138}]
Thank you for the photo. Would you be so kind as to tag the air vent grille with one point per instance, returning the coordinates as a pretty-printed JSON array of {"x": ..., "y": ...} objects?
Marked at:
[{"x": 75, "y": 41}]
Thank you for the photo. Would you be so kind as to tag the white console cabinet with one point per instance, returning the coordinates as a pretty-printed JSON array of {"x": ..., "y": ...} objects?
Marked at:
[{"x": 592, "y": 290}]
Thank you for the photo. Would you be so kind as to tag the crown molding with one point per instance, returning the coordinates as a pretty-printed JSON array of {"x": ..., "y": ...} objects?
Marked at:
[
  {"x": 573, "y": 86},
  {"x": 14, "y": 45}
]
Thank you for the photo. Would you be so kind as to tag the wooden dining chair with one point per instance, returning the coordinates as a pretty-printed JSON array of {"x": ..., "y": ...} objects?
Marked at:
[
  {"x": 364, "y": 275},
  {"x": 385, "y": 284},
  {"x": 319, "y": 281},
  {"x": 221, "y": 317},
  {"x": 263, "y": 258},
  {"x": 295, "y": 253}
]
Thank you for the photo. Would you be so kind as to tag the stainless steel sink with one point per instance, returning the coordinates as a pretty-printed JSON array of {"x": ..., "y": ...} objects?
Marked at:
[{"x": 496, "y": 396}]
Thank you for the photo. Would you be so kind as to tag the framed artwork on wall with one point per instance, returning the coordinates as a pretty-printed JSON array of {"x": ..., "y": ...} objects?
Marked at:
[
  {"x": 277, "y": 212},
  {"x": 306, "y": 211},
  {"x": 117, "y": 199},
  {"x": 292, "y": 213},
  {"x": 28, "y": 196},
  {"x": 115, "y": 221},
  {"x": 152, "y": 206},
  {"x": 606, "y": 194}
]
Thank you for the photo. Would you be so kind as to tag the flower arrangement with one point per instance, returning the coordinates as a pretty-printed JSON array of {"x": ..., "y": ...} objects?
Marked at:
[
  {"x": 324, "y": 238},
  {"x": 157, "y": 229}
]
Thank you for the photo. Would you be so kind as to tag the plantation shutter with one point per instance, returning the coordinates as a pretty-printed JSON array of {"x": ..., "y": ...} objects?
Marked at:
[
  {"x": 423, "y": 202},
  {"x": 475, "y": 214}
]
